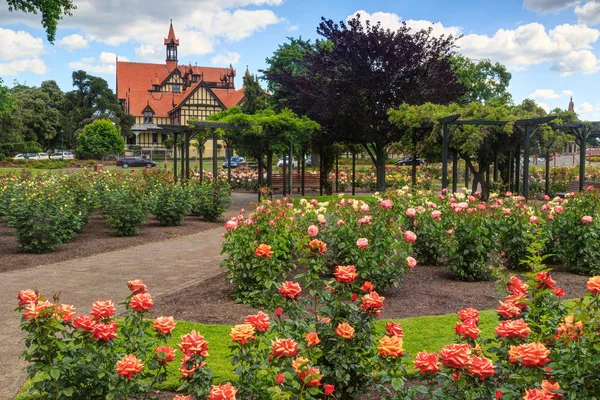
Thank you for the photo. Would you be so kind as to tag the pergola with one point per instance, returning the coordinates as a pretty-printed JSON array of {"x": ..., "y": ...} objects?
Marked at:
[
  {"x": 582, "y": 133},
  {"x": 526, "y": 127}
]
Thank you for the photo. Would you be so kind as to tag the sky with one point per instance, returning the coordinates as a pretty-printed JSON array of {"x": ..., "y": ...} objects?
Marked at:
[{"x": 551, "y": 47}]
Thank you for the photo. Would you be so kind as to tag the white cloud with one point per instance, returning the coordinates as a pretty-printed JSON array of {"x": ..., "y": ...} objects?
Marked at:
[
  {"x": 202, "y": 25},
  {"x": 394, "y": 22},
  {"x": 74, "y": 42},
  {"x": 577, "y": 61},
  {"x": 589, "y": 13},
  {"x": 104, "y": 64},
  {"x": 19, "y": 44},
  {"x": 292, "y": 28},
  {"x": 549, "y": 94},
  {"x": 226, "y": 58},
  {"x": 585, "y": 108},
  {"x": 35, "y": 65},
  {"x": 531, "y": 44},
  {"x": 545, "y": 106},
  {"x": 546, "y": 6}
]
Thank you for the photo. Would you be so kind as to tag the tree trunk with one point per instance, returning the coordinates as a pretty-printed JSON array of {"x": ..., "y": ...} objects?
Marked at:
[
  {"x": 380, "y": 166},
  {"x": 327, "y": 162},
  {"x": 414, "y": 169}
]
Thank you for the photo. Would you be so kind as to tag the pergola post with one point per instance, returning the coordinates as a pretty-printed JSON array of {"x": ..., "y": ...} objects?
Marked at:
[
  {"x": 466, "y": 174},
  {"x": 455, "y": 172},
  {"x": 270, "y": 170},
  {"x": 445, "y": 138},
  {"x": 201, "y": 162},
  {"x": 291, "y": 170},
  {"x": 518, "y": 168},
  {"x": 175, "y": 157},
  {"x": 526, "y": 162},
  {"x": 183, "y": 158},
  {"x": 214, "y": 156},
  {"x": 320, "y": 175},
  {"x": 284, "y": 180},
  {"x": 260, "y": 174},
  {"x": 302, "y": 172},
  {"x": 547, "y": 175},
  {"x": 228, "y": 153},
  {"x": 187, "y": 155},
  {"x": 582, "y": 137},
  {"x": 337, "y": 173},
  {"x": 496, "y": 168},
  {"x": 353, "y": 173},
  {"x": 510, "y": 171}
]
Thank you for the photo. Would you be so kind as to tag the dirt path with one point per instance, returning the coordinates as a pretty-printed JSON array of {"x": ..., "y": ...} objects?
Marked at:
[{"x": 166, "y": 267}]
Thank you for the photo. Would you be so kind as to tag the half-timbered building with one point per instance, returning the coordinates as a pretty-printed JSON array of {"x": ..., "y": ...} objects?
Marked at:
[{"x": 172, "y": 94}]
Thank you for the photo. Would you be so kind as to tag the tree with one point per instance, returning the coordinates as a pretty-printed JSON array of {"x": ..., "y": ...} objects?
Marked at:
[
  {"x": 100, "y": 138},
  {"x": 484, "y": 81},
  {"x": 52, "y": 11},
  {"x": 255, "y": 97},
  {"x": 7, "y": 102},
  {"x": 358, "y": 72},
  {"x": 92, "y": 99}
]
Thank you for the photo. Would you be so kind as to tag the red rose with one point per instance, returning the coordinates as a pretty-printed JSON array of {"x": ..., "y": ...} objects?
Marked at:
[
  {"x": 129, "y": 366},
  {"x": 345, "y": 274},
  {"x": 290, "y": 290},
  {"x": 26, "y": 297},
  {"x": 328, "y": 389},
  {"x": 284, "y": 348},
  {"x": 84, "y": 322},
  {"x": 455, "y": 355},
  {"x": 394, "y": 329},
  {"x": 372, "y": 302},
  {"x": 193, "y": 343},
  {"x": 105, "y": 332},
  {"x": 141, "y": 302},
  {"x": 103, "y": 309},
  {"x": 427, "y": 363},
  {"x": 481, "y": 367},
  {"x": 259, "y": 321},
  {"x": 136, "y": 286},
  {"x": 222, "y": 392}
]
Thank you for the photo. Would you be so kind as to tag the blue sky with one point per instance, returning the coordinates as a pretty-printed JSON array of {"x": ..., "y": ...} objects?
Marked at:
[{"x": 552, "y": 47}]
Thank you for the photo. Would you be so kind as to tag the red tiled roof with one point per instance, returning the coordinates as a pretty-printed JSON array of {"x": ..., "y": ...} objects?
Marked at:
[{"x": 229, "y": 98}]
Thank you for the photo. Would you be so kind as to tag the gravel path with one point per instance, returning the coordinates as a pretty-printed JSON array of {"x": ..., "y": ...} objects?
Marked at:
[{"x": 166, "y": 267}]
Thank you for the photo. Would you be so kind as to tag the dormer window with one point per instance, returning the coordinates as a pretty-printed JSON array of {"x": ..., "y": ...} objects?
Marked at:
[
  {"x": 176, "y": 88},
  {"x": 147, "y": 116},
  {"x": 195, "y": 78}
]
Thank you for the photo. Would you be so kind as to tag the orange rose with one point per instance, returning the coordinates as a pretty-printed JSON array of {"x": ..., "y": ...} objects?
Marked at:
[
  {"x": 141, "y": 302},
  {"x": 284, "y": 348},
  {"x": 103, "y": 309},
  {"x": 136, "y": 286},
  {"x": 481, "y": 367},
  {"x": 394, "y": 329},
  {"x": 66, "y": 312},
  {"x": 290, "y": 290},
  {"x": 193, "y": 343},
  {"x": 367, "y": 287},
  {"x": 529, "y": 354},
  {"x": 508, "y": 310},
  {"x": 345, "y": 274},
  {"x": 33, "y": 310},
  {"x": 105, "y": 332},
  {"x": 181, "y": 397},
  {"x": 545, "y": 281},
  {"x": 316, "y": 246},
  {"x": 242, "y": 333},
  {"x": 222, "y": 392},
  {"x": 518, "y": 300},
  {"x": 189, "y": 365},
  {"x": 513, "y": 329},
  {"x": 455, "y": 355},
  {"x": 469, "y": 314},
  {"x": 300, "y": 364},
  {"x": 311, "y": 377},
  {"x": 372, "y": 302},
  {"x": 84, "y": 322},
  {"x": 550, "y": 388},
  {"x": 312, "y": 338},
  {"x": 569, "y": 329},
  {"x": 535, "y": 394},
  {"x": 593, "y": 285},
  {"x": 390, "y": 346},
  {"x": 427, "y": 362},
  {"x": 344, "y": 330},
  {"x": 263, "y": 250},
  {"x": 260, "y": 321},
  {"x": 467, "y": 329},
  {"x": 26, "y": 297},
  {"x": 164, "y": 354},
  {"x": 164, "y": 325},
  {"x": 129, "y": 366},
  {"x": 517, "y": 286}
]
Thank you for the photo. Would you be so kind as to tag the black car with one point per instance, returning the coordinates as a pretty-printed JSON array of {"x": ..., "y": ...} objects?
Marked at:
[
  {"x": 408, "y": 160},
  {"x": 127, "y": 162}
]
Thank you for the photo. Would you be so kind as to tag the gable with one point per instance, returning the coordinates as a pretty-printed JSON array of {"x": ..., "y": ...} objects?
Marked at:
[{"x": 202, "y": 96}]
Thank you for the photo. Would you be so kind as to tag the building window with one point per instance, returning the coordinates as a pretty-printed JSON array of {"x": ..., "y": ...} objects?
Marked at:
[
  {"x": 147, "y": 117},
  {"x": 154, "y": 138},
  {"x": 176, "y": 88}
]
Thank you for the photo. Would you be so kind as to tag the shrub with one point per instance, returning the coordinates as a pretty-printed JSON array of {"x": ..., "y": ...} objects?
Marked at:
[
  {"x": 209, "y": 200},
  {"x": 2, "y": 157},
  {"x": 171, "y": 202},
  {"x": 125, "y": 208},
  {"x": 44, "y": 216}
]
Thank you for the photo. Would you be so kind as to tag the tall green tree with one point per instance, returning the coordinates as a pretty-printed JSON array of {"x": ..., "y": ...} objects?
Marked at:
[
  {"x": 99, "y": 139},
  {"x": 52, "y": 11},
  {"x": 255, "y": 98},
  {"x": 484, "y": 81}
]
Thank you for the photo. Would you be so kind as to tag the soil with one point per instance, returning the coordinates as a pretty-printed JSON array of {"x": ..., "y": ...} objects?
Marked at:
[
  {"x": 425, "y": 291},
  {"x": 95, "y": 238}
]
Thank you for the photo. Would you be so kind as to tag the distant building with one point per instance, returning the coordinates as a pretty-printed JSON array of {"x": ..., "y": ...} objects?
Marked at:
[
  {"x": 171, "y": 94},
  {"x": 571, "y": 148}
]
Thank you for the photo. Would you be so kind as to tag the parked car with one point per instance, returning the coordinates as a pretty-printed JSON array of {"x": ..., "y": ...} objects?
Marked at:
[
  {"x": 20, "y": 157},
  {"x": 127, "y": 162},
  {"x": 32, "y": 156},
  {"x": 287, "y": 162},
  {"x": 43, "y": 156},
  {"x": 408, "y": 160},
  {"x": 308, "y": 162},
  {"x": 62, "y": 156},
  {"x": 235, "y": 160}
]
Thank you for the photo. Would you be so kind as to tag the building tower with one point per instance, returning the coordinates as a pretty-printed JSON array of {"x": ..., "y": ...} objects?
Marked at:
[
  {"x": 171, "y": 42},
  {"x": 571, "y": 105}
]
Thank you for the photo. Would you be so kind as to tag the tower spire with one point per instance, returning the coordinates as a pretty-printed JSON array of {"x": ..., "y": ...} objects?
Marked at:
[
  {"x": 171, "y": 42},
  {"x": 571, "y": 105}
]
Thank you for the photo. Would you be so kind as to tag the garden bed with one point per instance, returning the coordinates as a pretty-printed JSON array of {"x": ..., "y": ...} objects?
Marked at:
[
  {"x": 95, "y": 238},
  {"x": 425, "y": 291}
]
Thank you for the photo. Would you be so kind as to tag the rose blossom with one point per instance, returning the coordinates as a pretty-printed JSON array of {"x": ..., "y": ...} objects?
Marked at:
[
  {"x": 313, "y": 230},
  {"x": 455, "y": 355},
  {"x": 469, "y": 314},
  {"x": 231, "y": 225},
  {"x": 344, "y": 330},
  {"x": 372, "y": 302},
  {"x": 362, "y": 243},
  {"x": 290, "y": 290},
  {"x": 84, "y": 322},
  {"x": 136, "y": 286},
  {"x": 103, "y": 309},
  {"x": 517, "y": 328},
  {"x": 263, "y": 250},
  {"x": 387, "y": 204},
  {"x": 169, "y": 354},
  {"x": 593, "y": 285},
  {"x": 468, "y": 329},
  {"x": 411, "y": 262},
  {"x": 312, "y": 338},
  {"x": 345, "y": 274},
  {"x": 141, "y": 302},
  {"x": 283, "y": 348},
  {"x": 410, "y": 237},
  {"x": 586, "y": 220},
  {"x": 164, "y": 325},
  {"x": 427, "y": 363},
  {"x": 390, "y": 346},
  {"x": 394, "y": 329},
  {"x": 259, "y": 321},
  {"x": 26, "y": 297},
  {"x": 129, "y": 366},
  {"x": 222, "y": 392},
  {"x": 410, "y": 212},
  {"x": 193, "y": 343},
  {"x": 529, "y": 354},
  {"x": 242, "y": 333},
  {"x": 105, "y": 332},
  {"x": 367, "y": 287},
  {"x": 481, "y": 367},
  {"x": 328, "y": 389}
]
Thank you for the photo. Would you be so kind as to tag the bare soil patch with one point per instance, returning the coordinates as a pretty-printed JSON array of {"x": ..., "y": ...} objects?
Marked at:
[
  {"x": 95, "y": 238},
  {"x": 425, "y": 291}
]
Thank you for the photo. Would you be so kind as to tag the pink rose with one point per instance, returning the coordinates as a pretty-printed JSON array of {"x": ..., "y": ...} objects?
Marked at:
[
  {"x": 411, "y": 262},
  {"x": 410, "y": 212},
  {"x": 313, "y": 230},
  {"x": 558, "y": 209},
  {"x": 387, "y": 204},
  {"x": 587, "y": 220},
  {"x": 508, "y": 194},
  {"x": 231, "y": 225},
  {"x": 341, "y": 222},
  {"x": 436, "y": 214},
  {"x": 533, "y": 219},
  {"x": 362, "y": 243},
  {"x": 410, "y": 237},
  {"x": 507, "y": 211},
  {"x": 365, "y": 207}
]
